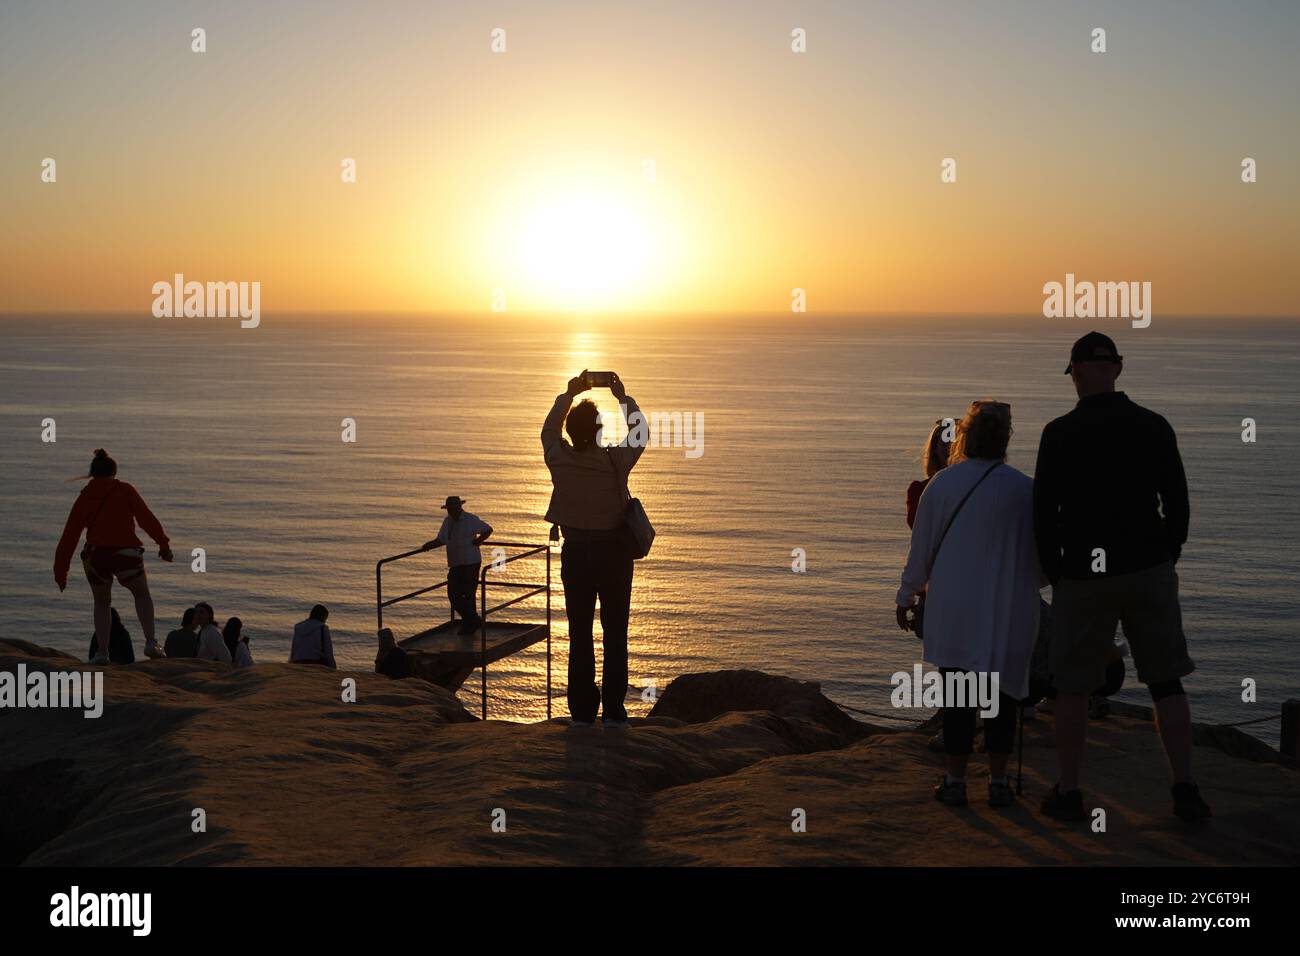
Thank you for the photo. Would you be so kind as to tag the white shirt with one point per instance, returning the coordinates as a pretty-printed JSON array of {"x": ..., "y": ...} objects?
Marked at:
[
  {"x": 457, "y": 534},
  {"x": 243, "y": 656},
  {"x": 212, "y": 646},
  {"x": 981, "y": 606}
]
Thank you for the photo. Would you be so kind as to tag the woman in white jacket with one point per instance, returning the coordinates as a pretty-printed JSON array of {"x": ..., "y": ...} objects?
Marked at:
[
  {"x": 973, "y": 554},
  {"x": 212, "y": 646}
]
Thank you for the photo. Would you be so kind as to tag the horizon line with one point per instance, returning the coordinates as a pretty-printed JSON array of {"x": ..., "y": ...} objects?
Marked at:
[{"x": 597, "y": 313}]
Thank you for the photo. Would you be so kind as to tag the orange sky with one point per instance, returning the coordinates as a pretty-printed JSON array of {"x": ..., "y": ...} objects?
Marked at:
[{"x": 524, "y": 171}]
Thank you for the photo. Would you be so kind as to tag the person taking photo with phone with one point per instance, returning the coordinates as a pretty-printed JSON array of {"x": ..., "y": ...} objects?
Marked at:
[{"x": 587, "y": 503}]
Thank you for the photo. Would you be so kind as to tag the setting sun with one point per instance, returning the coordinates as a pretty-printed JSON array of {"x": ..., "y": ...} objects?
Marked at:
[
  {"x": 585, "y": 249},
  {"x": 583, "y": 239}
]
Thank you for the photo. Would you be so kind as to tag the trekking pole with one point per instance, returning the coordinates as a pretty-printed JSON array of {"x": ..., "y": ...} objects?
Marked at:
[{"x": 1020, "y": 757}]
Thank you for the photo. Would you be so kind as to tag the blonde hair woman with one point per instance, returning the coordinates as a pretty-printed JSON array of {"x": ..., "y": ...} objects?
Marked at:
[{"x": 974, "y": 556}]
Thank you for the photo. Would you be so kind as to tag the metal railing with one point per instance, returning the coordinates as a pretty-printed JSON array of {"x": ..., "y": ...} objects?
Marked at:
[{"x": 530, "y": 589}]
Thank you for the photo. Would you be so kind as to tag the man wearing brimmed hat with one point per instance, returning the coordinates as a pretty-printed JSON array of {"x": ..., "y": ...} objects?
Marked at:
[
  {"x": 1111, "y": 516},
  {"x": 462, "y": 533}
]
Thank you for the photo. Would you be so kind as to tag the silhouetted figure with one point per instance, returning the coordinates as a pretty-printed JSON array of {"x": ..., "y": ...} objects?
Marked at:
[
  {"x": 108, "y": 510},
  {"x": 391, "y": 661},
  {"x": 120, "y": 650},
  {"x": 1111, "y": 516},
  {"x": 973, "y": 553},
  {"x": 184, "y": 641},
  {"x": 212, "y": 646},
  {"x": 462, "y": 533},
  {"x": 587, "y": 502},
  {"x": 934, "y": 458},
  {"x": 230, "y": 632},
  {"x": 236, "y": 641},
  {"x": 311, "y": 640}
]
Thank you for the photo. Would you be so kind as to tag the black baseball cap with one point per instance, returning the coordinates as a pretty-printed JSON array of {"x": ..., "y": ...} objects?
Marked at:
[{"x": 1093, "y": 347}]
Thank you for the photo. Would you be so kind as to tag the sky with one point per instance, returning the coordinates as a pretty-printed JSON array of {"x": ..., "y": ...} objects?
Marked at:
[{"x": 523, "y": 177}]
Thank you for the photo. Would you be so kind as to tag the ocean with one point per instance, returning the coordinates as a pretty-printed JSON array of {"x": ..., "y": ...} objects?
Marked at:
[{"x": 812, "y": 431}]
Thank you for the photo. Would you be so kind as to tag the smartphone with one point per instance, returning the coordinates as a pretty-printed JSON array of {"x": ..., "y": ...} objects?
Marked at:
[{"x": 600, "y": 379}]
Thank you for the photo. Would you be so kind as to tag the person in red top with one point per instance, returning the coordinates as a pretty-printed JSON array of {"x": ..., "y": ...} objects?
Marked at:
[
  {"x": 108, "y": 510},
  {"x": 935, "y": 457}
]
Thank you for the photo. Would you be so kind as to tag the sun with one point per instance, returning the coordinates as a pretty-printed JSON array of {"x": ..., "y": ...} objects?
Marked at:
[
  {"x": 581, "y": 234},
  {"x": 586, "y": 249},
  {"x": 584, "y": 246}
]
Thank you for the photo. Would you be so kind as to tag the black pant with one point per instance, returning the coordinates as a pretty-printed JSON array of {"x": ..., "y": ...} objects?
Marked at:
[
  {"x": 959, "y": 725},
  {"x": 462, "y": 586},
  {"x": 591, "y": 568}
]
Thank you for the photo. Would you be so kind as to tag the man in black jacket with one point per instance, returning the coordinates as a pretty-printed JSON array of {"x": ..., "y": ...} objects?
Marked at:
[{"x": 1110, "y": 516}]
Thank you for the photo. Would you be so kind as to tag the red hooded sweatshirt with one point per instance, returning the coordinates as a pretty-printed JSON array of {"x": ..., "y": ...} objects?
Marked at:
[{"x": 111, "y": 509}]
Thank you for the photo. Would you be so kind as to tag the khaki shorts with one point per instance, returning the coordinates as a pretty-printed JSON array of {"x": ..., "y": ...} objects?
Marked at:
[{"x": 1084, "y": 616}]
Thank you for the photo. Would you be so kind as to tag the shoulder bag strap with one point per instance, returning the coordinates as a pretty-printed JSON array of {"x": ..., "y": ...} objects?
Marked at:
[{"x": 957, "y": 510}]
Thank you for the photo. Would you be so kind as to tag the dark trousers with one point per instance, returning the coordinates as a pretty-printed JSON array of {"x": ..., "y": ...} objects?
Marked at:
[
  {"x": 959, "y": 726},
  {"x": 462, "y": 586},
  {"x": 594, "y": 568}
]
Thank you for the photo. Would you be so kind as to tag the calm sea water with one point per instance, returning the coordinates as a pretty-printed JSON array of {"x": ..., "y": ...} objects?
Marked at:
[{"x": 812, "y": 432}]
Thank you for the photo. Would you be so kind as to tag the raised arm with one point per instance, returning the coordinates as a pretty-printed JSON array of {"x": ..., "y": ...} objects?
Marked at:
[
  {"x": 628, "y": 452},
  {"x": 552, "y": 428}
]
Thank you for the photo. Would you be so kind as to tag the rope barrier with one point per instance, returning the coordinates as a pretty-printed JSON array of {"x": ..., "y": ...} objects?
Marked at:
[
  {"x": 1257, "y": 720},
  {"x": 868, "y": 713}
]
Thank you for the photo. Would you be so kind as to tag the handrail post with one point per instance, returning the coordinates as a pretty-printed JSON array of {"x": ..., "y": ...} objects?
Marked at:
[
  {"x": 1291, "y": 729},
  {"x": 548, "y": 630},
  {"x": 482, "y": 630},
  {"x": 530, "y": 589}
]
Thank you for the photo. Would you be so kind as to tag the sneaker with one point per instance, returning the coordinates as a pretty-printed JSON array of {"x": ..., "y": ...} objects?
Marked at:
[
  {"x": 99, "y": 660},
  {"x": 470, "y": 627},
  {"x": 1066, "y": 805},
  {"x": 614, "y": 724},
  {"x": 582, "y": 723},
  {"x": 1001, "y": 794},
  {"x": 1188, "y": 804},
  {"x": 950, "y": 794},
  {"x": 151, "y": 649}
]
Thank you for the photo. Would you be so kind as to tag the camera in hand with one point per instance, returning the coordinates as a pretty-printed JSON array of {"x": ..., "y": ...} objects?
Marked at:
[
  {"x": 599, "y": 379},
  {"x": 916, "y": 619}
]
